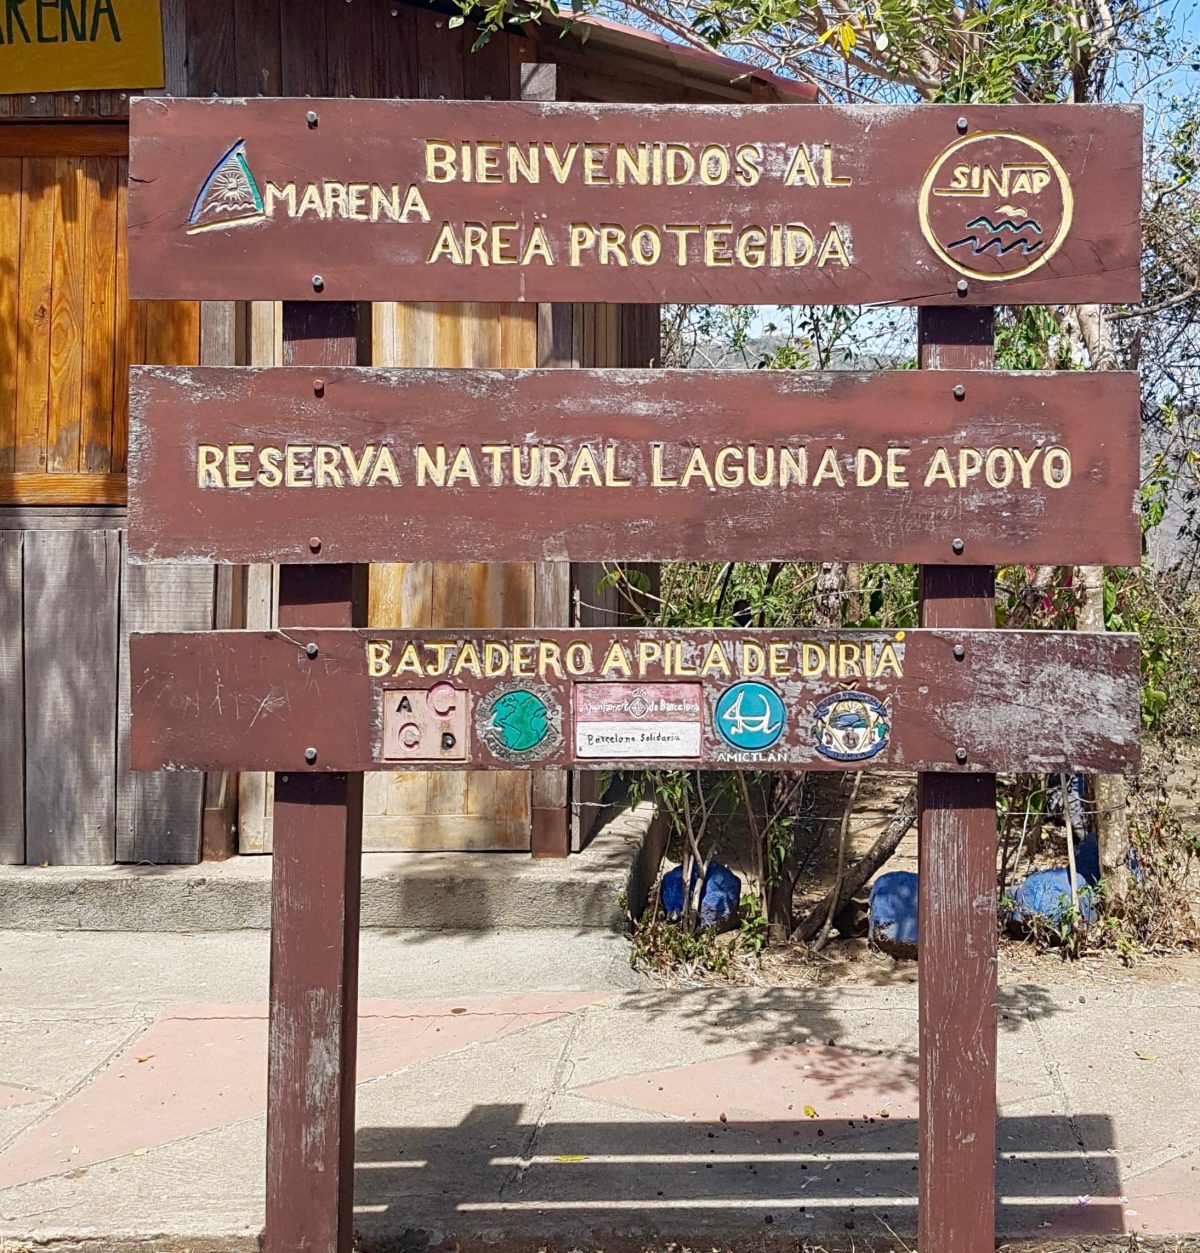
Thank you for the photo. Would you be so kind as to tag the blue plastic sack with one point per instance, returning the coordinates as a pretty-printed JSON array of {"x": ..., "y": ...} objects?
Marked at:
[
  {"x": 1045, "y": 896},
  {"x": 719, "y": 898},
  {"x": 893, "y": 911}
]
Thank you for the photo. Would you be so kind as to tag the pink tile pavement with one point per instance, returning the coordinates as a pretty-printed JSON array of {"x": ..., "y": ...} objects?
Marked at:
[
  {"x": 1160, "y": 1202},
  {"x": 199, "y": 1067},
  {"x": 866, "y": 1089}
]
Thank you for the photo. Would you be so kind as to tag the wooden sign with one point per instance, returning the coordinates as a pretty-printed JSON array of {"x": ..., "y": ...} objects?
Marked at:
[
  {"x": 360, "y": 465},
  {"x": 267, "y": 199},
  {"x": 348, "y": 700},
  {"x": 80, "y": 45}
]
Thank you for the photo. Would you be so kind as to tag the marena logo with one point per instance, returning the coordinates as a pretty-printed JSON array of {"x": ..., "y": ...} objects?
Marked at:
[{"x": 229, "y": 196}]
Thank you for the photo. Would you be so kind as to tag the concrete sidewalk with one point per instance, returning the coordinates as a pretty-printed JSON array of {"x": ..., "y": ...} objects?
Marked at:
[{"x": 523, "y": 1086}]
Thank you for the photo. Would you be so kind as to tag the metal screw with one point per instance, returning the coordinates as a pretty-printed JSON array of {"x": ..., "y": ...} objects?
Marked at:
[
  {"x": 961, "y": 287},
  {"x": 310, "y": 650},
  {"x": 957, "y": 545},
  {"x": 319, "y": 387},
  {"x": 33, "y": 99},
  {"x": 311, "y": 118},
  {"x": 314, "y": 542},
  {"x": 319, "y": 283},
  {"x": 960, "y": 755},
  {"x": 962, "y": 124},
  {"x": 959, "y": 651},
  {"x": 310, "y": 755},
  {"x": 76, "y": 98},
  {"x": 959, "y": 391}
]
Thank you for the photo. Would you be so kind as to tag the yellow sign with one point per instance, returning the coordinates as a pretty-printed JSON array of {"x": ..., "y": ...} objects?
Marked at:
[{"x": 80, "y": 45}]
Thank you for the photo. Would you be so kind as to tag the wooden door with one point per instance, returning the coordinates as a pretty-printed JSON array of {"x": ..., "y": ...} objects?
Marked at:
[{"x": 67, "y": 337}]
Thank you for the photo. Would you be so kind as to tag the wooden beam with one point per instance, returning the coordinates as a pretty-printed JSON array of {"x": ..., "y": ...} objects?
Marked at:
[
  {"x": 957, "y": 903},
  {"x": 64, "y": 139},
  {"x": 62, "y": 489},
  {"x": 315, "y": 886}
]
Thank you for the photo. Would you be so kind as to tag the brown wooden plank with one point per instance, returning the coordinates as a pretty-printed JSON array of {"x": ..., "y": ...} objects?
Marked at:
[
  {"x": 71, "y": 587},
  {"x": 158, "y": 814},
  {"x": 900, "y": 229},
  {"x": 274, "y": 696},
  {"x": 10, "y": 268},
  {"x": 351, "y": 65},
  {"x": 173, "y": 332},
  {"x": 440, "y": 67},
  {"x": 258, "y": 51},
  {"x": 61, "y": 517},
  {"x": 212, "y": 32},
  {"x": 67, "y": 316},
  {"x": 127, "y": 321},
  {"x": 12, "y": 701},
  {"x": 33, "y": 312},
  {"x": 397, "y": 43},
  {"x": 62, "y": 489},
  {"x": 956, "y": 818},
  {"x": 223, "y": 342},
  {"x": 100, "y": 324},
  {"x": 304, "y": 56},
  {"x": 836, "y": 431},
  {"x": 63, "y": 139}
]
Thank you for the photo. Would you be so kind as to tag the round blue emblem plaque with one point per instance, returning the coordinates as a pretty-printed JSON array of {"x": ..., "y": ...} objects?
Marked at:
[{"x": 750, "y": 716}]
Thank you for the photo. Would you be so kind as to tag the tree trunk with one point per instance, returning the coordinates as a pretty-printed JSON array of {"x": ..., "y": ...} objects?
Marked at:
[{"x": 1108, "y": 790}]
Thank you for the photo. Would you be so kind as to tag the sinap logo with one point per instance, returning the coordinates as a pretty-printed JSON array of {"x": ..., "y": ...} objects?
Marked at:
[{"x": 996, "y": 205}]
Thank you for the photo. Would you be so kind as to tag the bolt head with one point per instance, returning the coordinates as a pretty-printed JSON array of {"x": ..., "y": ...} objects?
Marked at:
[
  {"x": 962, "y": 124},
  {"x": 318, "y": 387},
  {"x": 959, "y": 651},
  {"x": 961, "y": 287},
  {"x": 959, "y": 391},
  {"x": 957, "y": 545},
  {"x": 318, "y": 283},
  {"x": 960, "y": 755},
  {"x": 314, "y": 543},
  {"x": 311, "y": 118},
  {"x": 310, "y": 650},
  {"x": 310, "y": 755}
]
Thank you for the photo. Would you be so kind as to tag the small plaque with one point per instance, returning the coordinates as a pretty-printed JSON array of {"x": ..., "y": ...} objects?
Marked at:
[
  {"x": 425, "y": 724},
  {"x": 638, "y": 719}
]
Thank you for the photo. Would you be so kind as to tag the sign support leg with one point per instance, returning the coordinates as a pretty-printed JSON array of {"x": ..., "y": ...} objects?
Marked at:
[
  {"x": 315, "y": 888},
  {"x": 957, "y": 905}
]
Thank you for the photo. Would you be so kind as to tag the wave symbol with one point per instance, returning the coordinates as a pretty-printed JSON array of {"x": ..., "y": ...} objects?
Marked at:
[
  {"x": 1003, "y": 225},
  {"x": 979, "y": 247}
]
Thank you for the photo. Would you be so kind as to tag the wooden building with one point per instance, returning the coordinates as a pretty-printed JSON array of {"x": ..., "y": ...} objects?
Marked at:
[{"x": 68, "y": 599}]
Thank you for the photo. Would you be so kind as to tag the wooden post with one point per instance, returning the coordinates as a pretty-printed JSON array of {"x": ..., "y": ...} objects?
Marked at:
[
  {"x": 550, "y": 797},
  {"x": 957, "y": 905},
  {"x": 315, "y": 888}
]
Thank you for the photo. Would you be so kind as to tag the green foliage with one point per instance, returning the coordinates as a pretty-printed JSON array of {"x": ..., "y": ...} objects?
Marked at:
[
  {"x": 1030, "y": 338},
  {"x": 753, "y": 925},
  {"x": 661, "y": 946}
]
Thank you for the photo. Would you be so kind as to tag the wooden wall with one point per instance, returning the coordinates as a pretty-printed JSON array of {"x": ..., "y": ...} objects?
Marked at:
[{"x": 67, "y": 337}]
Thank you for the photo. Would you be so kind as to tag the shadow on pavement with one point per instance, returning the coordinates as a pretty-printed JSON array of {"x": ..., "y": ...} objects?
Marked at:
[{"x": 501, "y": 1175}]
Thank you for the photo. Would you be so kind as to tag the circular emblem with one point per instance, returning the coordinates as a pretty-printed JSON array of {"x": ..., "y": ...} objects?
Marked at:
[
  {"x": 996, "y": 205},
  {"x": 850, "y": 726},
  {"x": 750, "y": 716},
  {"x": 519, "y": 723}
]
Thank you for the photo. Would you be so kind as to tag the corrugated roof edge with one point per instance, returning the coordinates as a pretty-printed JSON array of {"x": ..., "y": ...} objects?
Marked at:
[{"x": 688, "y": 59}]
